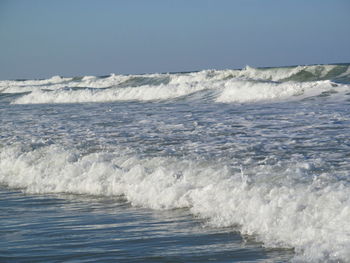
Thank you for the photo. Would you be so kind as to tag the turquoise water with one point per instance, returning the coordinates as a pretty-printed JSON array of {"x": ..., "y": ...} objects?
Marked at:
[{"x": 246, "y": 165}]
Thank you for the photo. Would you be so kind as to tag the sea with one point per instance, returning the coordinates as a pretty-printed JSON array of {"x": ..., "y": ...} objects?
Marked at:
[{"x": 236, "y": 165}]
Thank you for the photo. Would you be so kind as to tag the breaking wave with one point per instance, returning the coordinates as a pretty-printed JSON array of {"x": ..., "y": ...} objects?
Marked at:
[
  {"x": 246, "y": 85},
  {"x": 274, "y": 203}
]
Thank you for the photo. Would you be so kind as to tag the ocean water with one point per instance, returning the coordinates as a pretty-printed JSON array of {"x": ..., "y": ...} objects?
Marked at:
[{"x": 249, "y": 165}]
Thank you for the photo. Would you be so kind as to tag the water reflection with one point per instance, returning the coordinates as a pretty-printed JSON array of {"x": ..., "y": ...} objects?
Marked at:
[{"x": 78, "y": 228}]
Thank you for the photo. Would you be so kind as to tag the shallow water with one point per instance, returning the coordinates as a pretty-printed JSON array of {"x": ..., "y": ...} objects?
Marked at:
[
  {"x": 224, "y": 166},
  {"x": 70, "y": 228}
]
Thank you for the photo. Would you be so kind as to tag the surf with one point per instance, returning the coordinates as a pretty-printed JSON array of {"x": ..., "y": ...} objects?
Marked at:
[
  {"x": 311, "y": 216},
  {"x": 228, "y": 86}
]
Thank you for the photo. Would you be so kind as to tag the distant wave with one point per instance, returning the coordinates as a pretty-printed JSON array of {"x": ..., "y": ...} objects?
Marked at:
[{"x": 245, "y": 85}]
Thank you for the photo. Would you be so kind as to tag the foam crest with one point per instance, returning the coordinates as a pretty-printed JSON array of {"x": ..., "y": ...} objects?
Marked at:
[
  {"x": 143, "y": 93},
  {"x": 312, "y": 217},
  {"x": 31, "y": 83},
  {"x": 246, "y": 85},
  {"x": 265, "y": 74},
  {"x": 248, "y": 91},
  {"x": 44, "y": 85},
  {"x": 280, "y": 74},
  {"x": 300, "y": 73},
  {"x": 229, "y": 91}
]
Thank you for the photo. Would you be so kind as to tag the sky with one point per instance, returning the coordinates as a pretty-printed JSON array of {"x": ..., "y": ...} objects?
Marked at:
[{"x": 44, "y": 38}]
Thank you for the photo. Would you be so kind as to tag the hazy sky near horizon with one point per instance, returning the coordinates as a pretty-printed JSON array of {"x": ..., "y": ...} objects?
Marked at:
[{"x": 42, "y": 38}]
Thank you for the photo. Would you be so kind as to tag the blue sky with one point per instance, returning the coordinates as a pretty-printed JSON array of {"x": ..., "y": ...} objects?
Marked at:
[{"x": 42, "y": 38}]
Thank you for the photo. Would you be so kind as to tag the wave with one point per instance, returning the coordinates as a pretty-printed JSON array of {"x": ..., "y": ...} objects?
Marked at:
[
  {"x": 299, "y": 73},
  {"x": 143, "y": 93},
  {"x": 284, "y": 206},
  {"x": 246, "y": 85},
  {"x": 244, "y": 91},
  {"x": 220, "y": 91}
]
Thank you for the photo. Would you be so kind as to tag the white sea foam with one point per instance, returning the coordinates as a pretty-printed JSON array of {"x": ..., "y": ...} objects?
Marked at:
[
  {"x": 316, "y": 72},
  {"x": 247, "y": 91},
  {"x": 313, "y": 216},
  {"x": 41, "y": 82},
  {"x": 246, "y": 85},
  {"x": 49, "y": 84},
  {"x": 142, "y": 93},
  {"x": 251, "y": 73},
  {"x": 283, "y": 73},
  {"x": 224, "y": 91}
]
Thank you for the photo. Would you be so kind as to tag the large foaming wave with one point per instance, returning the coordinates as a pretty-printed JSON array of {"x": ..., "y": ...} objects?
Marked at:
[{"x": 273, "y": 203}]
